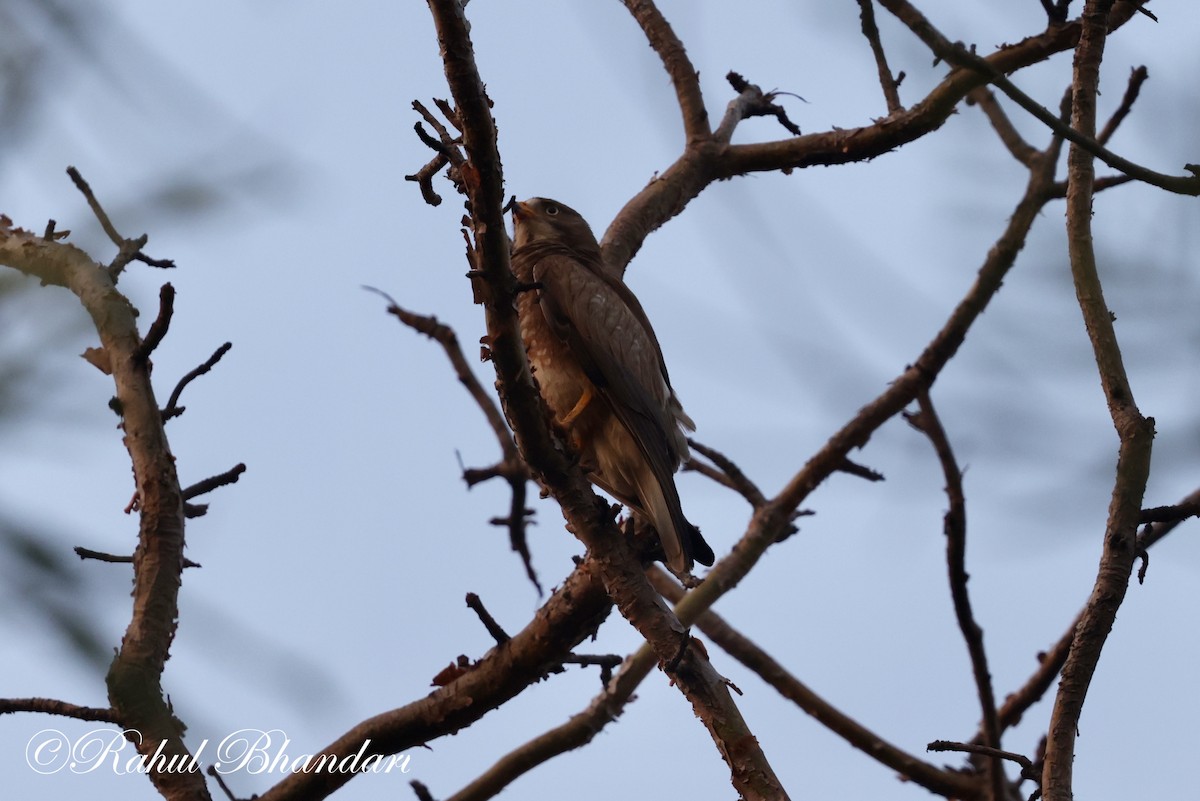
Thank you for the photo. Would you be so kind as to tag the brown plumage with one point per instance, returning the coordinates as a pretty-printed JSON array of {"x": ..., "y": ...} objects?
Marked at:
[{"x": 601, "y": 372}]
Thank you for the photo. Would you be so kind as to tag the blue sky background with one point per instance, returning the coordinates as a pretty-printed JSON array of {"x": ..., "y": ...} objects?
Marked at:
[{"x": 263, "y": 147}]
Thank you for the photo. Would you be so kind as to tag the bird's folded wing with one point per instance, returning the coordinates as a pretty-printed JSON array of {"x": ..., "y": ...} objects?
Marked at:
[{"x": 607, "y": 335}]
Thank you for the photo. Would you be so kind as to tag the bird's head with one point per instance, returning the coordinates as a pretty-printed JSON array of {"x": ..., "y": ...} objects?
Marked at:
[{"x": 540, "y": 219}]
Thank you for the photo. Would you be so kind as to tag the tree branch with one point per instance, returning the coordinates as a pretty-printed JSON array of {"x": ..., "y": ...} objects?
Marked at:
[
  {"x": 1021, "y": 150},
  {"x": 135, "y": 677},
  {"x": 588, "y": 517},
  {"x": 889, "y": 83},
  {"x": 714, "y": 158},
  {"x": 921, "y": 374},
  {"x": 571, "y": 615},
  {"x": 511, "y": 467},
  {"x": 949, "y": 784},
  {"x": 50, "y": 706},
  {"x": 675, "y": 61},
  {"x": 990, "y": 69},
  {"x": 173, "y": 409},
  {"x": 1134, "y": 431},
  {"x": 927, "y": 422},
  {"x": 1137, "y": 77}
]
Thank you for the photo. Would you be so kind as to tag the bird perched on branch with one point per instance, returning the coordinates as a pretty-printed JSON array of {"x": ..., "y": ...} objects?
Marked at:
[{"x": 601, "y": 371}]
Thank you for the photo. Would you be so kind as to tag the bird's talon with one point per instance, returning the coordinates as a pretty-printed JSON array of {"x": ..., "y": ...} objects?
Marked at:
[{"x": 580, "y": 405}]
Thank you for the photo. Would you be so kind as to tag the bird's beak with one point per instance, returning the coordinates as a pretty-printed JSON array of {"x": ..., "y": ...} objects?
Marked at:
[{"x": 522, "y": 210}]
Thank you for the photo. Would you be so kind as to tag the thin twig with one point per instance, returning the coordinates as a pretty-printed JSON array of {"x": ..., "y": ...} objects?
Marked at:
[
  {"x": 1168, "y": 514},
  {"x": 424, "y": 179},
  {"x": 485, "y": 617},
  {"x": 511, "y": 467},
  {"x": 974, "y": 748},
  {"x": 216, "y": 774},
  {"x": 903, "y": 390},
  {"x": 1156, "y": 530},
  {"x": 1159, "y": 529},
  {"x": 1021, "y": 150},
  {"x": 158, "y": 329},
  {"x": 211, "y": 483},
  {"x": 100, "y": 556},
  {"x": 127, "y": 249},
  {"x": 445, "y": 144},
  {"x": 732, "y": 474},
  {"x": 172, "y": 408},
  {"x": 50, "y": 706},
  {"x": 853, "y": 468},
  {"x": 889, "y": 83},
  {"x": 419, "y": 789},
  {"x": 128, "y": 252},
  {"x": 1137, "y": 77},
  {"x": 960, "y": 56},
  {"x": 571, "y": 615},
  {"x": 97, "y": 210},
  {"x": 955, "y": 527},
  {"x": 745, "y": 651},
  {"x": 606, "y": 662}
]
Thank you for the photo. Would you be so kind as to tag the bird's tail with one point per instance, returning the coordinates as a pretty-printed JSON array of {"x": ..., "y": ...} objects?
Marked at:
[{"x": 681, "y": 541}]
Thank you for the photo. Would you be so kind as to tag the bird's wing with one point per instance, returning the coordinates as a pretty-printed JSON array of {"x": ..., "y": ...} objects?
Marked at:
[
  {"x": 605, "y": 330},
  {"x": 608, "y": 334}
]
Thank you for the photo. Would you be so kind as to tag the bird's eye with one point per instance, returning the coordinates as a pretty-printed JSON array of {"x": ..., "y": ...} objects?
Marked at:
[{"x": 551, "y": 210}]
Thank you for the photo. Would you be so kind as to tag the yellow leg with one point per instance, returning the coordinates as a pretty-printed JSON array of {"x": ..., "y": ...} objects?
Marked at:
[{"x": 584, "y": 400}]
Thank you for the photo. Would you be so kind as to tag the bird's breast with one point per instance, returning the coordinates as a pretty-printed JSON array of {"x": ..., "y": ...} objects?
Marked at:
[{"x": 560, "y": 378}]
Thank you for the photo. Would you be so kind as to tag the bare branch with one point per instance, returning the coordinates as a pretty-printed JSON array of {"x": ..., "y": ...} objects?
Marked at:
[
  {"x": 571, "y": 615},
  {"x": 127, "y": 249},
  {"x": 904, "y": 389},
  {"x": 1160, "y": 528},
  {"x": 173, "y": 409},
  {"x": 928, "y": 423},
  {"x": 511, "y": 467},
  {"x": 731, "y": 473},
  {"x": 579, "y": 730},
  {"x": 485, "y": 617},
  {"x": 889, "y": 83},
  {"x": 1135, "y": 432},
  {"x": 960, "y": 56},
  {"x": 852, "y": 468},
  {"x": 675, "y": 61},
  {"x": 158, "y": 329},
  {"x": 98, "y": 210},
  {"x": 1049, "y": 664},
  {"x": 1168, "y": 514},
  {"x": 50, "y": 706},
  {"x": 134, "y": 679},
  {"x": 715, "y": 159},
  {"x": 420, "y": 790},
  {"x": 1021, "y": 150},
  {"x": 949, "y": 784},
  {"x": 100, "y": 556},
  {"x": 424, "y": 179},
  {"x": 1137, "y": 77},
  {"x": 230, "y": 476},
  {"x": 986, "y": 750},
  {"x": 588, "y": 517}
]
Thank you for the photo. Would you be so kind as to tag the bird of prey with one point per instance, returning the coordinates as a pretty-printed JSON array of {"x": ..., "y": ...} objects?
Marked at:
[{"x": 600, "y": 370}]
